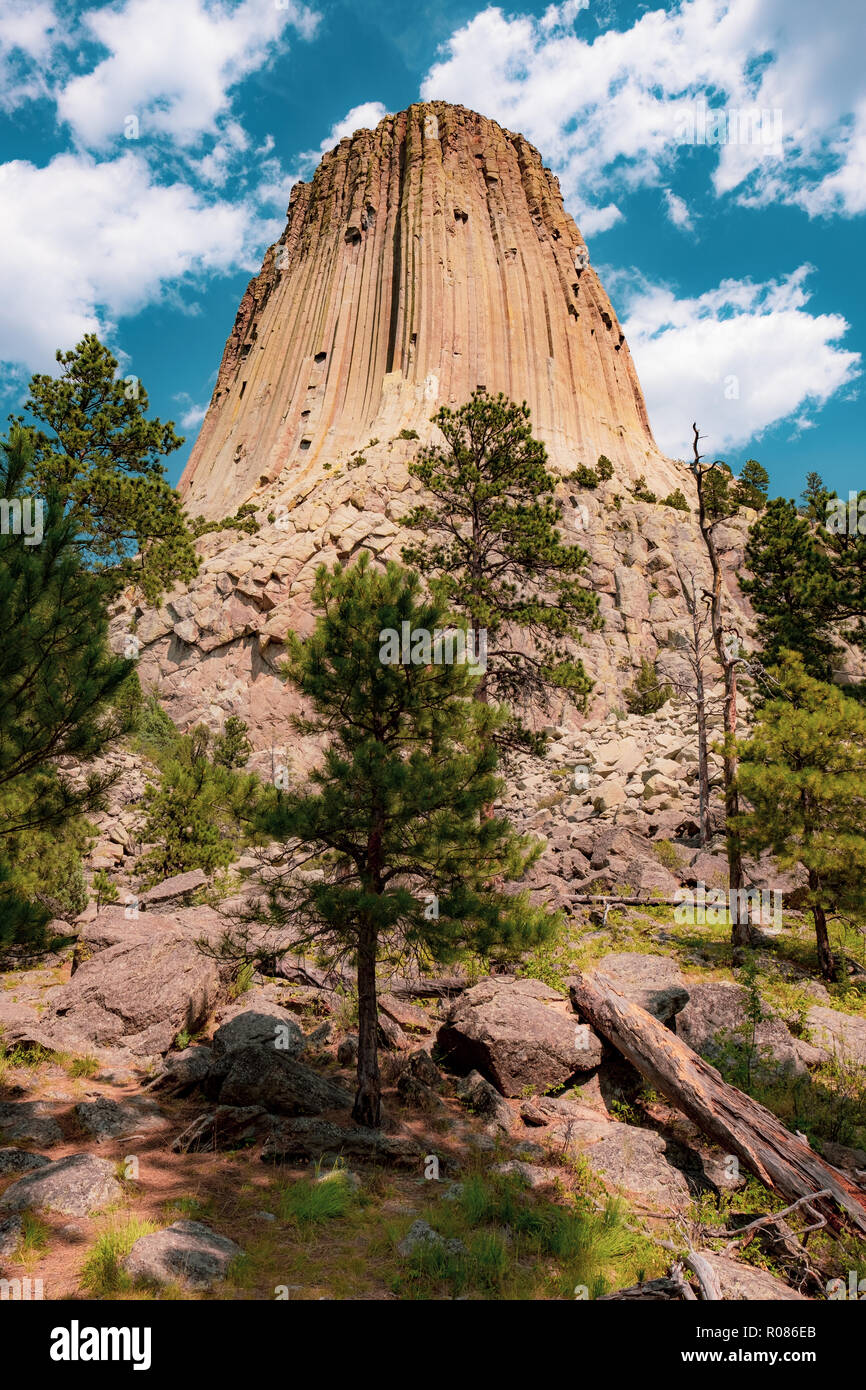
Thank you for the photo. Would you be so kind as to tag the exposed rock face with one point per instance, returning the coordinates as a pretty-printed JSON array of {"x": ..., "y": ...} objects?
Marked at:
[{"x": 425, "y": 258}]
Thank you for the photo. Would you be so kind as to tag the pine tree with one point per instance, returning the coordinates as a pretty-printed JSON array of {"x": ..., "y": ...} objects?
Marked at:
[
  {"x": 192, "y": 815},
  {"x": 815, "y": 497},
  {"x": 232, "y": 748},
  {"x": 95, "y": 448},
  {"x": 392, "y": 815},
  {"x": 649, "y": 692},
  {"x": 719, "y": 500},
  {"x": 804, "y": 773},
  {"x": 59, "y": 682},
  {"x": 791, "y": 588},
  {"x": 752, "y": 485},
  {"x": 493, "y": 552}
]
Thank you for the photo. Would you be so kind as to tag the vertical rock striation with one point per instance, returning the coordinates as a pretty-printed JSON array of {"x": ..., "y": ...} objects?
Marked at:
[{"x": 427, "y": 257}]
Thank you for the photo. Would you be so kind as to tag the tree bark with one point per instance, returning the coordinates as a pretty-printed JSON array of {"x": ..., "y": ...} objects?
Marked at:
[
  {"x": 741, "y": 931},
  {"x": 728, "y": 1116},
  {"x": 826, "y": 959},
  {"x": 703, "y": 750},
  {"x": 367, "y": 1107}
]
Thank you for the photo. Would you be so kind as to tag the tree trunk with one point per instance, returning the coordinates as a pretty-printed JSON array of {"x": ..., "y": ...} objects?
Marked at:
[
  {"x": 826, "y": 959},
  {"x": 703, "y": 750},
  {"x": 741, "y": 931},
  {"x": 728, "y": 1116},
  {"x": 367, "y": 1107}
]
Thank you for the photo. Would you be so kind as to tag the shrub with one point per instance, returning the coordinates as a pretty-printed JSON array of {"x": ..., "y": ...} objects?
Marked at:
[
  {"x": 641, "y": 492},
  {"x": 677, "y": 500},
  {"x": 648, "y": 693},
  {"x": 583, "y": 476}
]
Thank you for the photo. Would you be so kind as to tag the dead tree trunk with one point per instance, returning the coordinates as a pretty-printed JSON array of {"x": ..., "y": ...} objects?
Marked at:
[
  {"x": 695, "y": 691},
  {"x": 741, "y": 927},
  {"x": 726, "y": 1115}
]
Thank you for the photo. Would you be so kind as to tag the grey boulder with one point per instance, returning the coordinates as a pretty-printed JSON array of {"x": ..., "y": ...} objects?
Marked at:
[
  {"x": 187, "y": 1252},
  {"x": 517, "y": 1033},
  {"x": 75, "y": 1186}
]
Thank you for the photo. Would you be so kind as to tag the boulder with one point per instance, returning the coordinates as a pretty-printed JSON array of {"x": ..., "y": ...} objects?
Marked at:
[
  {"x": 256, "y": 1021},
  {"x": 649, "y": 879},
  {"x": 75, "y": 1185},
  {"x": 407, "y": 1016},
  {"x": 528, "y": 1173},
  {"x": 717, "y": 1010},
  {"x": 290, "y": 1140},
  {"x": 105, "y": 1118},
  {"x": 423, "y": 1237},
  {"x": 31, "y": 1122},
  {"x": 416, "y": 1094},
  {"x": 709, "y": 869},
  {"x": 484, "y": 1100},
  {"x": 835, "y": 1032},
  {"x": 652, "y": 982},
  {"x": 630, "y": 1158},
  {"x": 225, "y": 1127},
  {"x": 20, "y": 1161},
  {"x": 11, "y": 1232},
  {"x": 422, "y": 1066},
  {"x": 276, "y": 1080},
  {"x": 517, "y": 1033},
  {"x": 610, "y": 794},
  {"x": 187, "y": 1253},
  {"x": 175, "y": 889},
  {"x": 139, "y": 994},
  {"x": 182, "y": 1071}
]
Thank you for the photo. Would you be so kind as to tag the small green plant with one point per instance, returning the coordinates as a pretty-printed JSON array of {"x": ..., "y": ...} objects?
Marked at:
[
  {"x": 102, "y": 1274},
  {"x": 308, "y": 1203},
  {"x": 243, "y": 980},
  {"x": 583, "y": 476},
  {"x": 103, "y": 889},
  {"x": 668, "y": 855},
  {"x": 649, "y": 692},
  {"x": 84, "y": 1065},
  {"x": 408, "y": 434},
  {"x": 677, "y": 500},
  {"x": 32, "y": 1241},
  {"x": 604, "y": 468},
  {"x": 641, "y": 492}
]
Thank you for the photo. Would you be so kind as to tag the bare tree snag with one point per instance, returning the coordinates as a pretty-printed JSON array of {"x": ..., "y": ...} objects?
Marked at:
[
  {"x": 728, "y": 1116},
  {"x": 728, "y": 658},
  {"x": 695, "y": 691}
]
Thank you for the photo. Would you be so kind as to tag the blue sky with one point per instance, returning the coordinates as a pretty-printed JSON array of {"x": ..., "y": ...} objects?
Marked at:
[{"x": 147, "y": 150}]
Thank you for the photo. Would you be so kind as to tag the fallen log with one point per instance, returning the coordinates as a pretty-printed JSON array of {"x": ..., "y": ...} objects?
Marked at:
[{"x": 728, "y": 1116}]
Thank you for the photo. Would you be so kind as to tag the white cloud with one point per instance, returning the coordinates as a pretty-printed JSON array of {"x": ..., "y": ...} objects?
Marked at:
[
  {"x": 86, "y": 243},
  {"x": 678, "y": 211},
  {"x": 172, "y": 63},
  {"x": 193, "y": 416},
  {"x": 610, "y": 112},
  {"x": 737, "y": 359},
  {"x": 26, "y": 38},
  {"x": 364, "y": 117}
]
